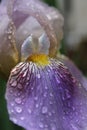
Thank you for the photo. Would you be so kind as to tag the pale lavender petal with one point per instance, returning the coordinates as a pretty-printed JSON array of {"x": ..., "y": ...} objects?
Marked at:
[
  {"x": 35, "y": 10},
  {"x": 46, "y": 98},
  {"x": 29, "y": 17}
]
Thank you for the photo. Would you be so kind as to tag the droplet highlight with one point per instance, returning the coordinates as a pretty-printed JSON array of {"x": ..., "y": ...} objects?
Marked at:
[{"x": 44, "y": 109}]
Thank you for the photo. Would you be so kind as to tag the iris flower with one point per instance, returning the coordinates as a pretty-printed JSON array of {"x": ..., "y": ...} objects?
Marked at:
[{"x": 42, "y": 92}]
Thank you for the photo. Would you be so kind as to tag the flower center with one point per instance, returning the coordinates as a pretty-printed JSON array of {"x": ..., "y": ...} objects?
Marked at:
[{"x": 40, "y": 59}]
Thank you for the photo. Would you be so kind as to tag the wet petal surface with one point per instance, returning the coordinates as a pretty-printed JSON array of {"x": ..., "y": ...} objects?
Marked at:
[
  {"x": 28, "y": 17},
  {"x": 74, "y": 70},
  {"x": 46, "y": 98}
]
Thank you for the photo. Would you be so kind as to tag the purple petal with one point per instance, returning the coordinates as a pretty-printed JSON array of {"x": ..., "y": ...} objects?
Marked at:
[
  {"x": 74, "y": 70},
  {"x": 46, "y": 98}
]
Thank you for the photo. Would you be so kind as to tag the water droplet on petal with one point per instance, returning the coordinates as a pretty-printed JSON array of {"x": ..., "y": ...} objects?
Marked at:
[
  {"x": 74, "y": 127},
  {"x": 18, "y": 109},
  {"x": 14, "y": 120},
  {"x": 12, "y": 103},
  {"x": 18, "y": 100},
  {"x": 29, "y": 110},
  {"x": 68, "y": 94},
  {"x": 41, "y": 125},
  {"x": 45, "y": 95},
  {"x": 37, "y": 105},
  {"x": 58, "y": 81},
  {"x": 44, "y": 110},
  {"x": 51, "y": 94},
  {"x": 50, "y": 114},
  {"x": 38, "y": 75},
  {"x": 22, "y": 118},
  {"x": 11, "y": 111},
  {"x": 46, "y": 87},
  {"x": 11, "y": 91},
  {"x": 36, "y": 98},
  {"x": 73, "y": 108}
]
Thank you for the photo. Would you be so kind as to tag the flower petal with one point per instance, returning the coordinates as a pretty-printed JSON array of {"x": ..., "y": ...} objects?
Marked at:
[
  {"x": 29, "y": 17},
  {"x": 46, "y": 98},
  {"x": 74, "y": 70}
]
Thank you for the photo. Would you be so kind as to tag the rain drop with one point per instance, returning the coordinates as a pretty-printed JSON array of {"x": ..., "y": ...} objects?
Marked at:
[
  {"x": 36, "y": 98},
  {"x": 29, "y": 110},
  {"x": 22, "y": 118},
  {"x": 11, "y": 111},
  {"x": 73, "y": 108},
  {"x": 51, "y": 94},
  {"x": 18, "y": 109},
  {"x": 50, "y": 114},
  {"x": 46, "y": 87},
  {"x": 74, "y": 127},
  {"x": 38, "y": 76},
  {"x": 44, "y": 110},
  {"x": 41, "y": 125},
  {"x": 45, "y": 95},
  {"x": 48, "y": 69},
  {"x": 37, "y": 105},
  {"x": 68, "y": 94},
  {"x": 18, "y": 100},
  {"x": 74, "y": 80},
  {"x": 12, "y": 103},
  {"x": 58, "y": 81},
  {"x": 11, "y": 91}
]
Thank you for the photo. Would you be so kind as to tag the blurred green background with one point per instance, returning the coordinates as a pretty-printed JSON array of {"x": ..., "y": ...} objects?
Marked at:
[{"x": 77, "y": 54}]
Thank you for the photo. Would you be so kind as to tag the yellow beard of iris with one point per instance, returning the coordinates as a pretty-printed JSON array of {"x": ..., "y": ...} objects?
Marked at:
[{"x": 39, "y": 59}]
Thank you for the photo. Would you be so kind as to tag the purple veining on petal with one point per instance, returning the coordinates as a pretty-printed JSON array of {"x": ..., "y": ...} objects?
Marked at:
[
  {"x": 74, "y": 70},
  {"x": 46, "y": 98}
]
